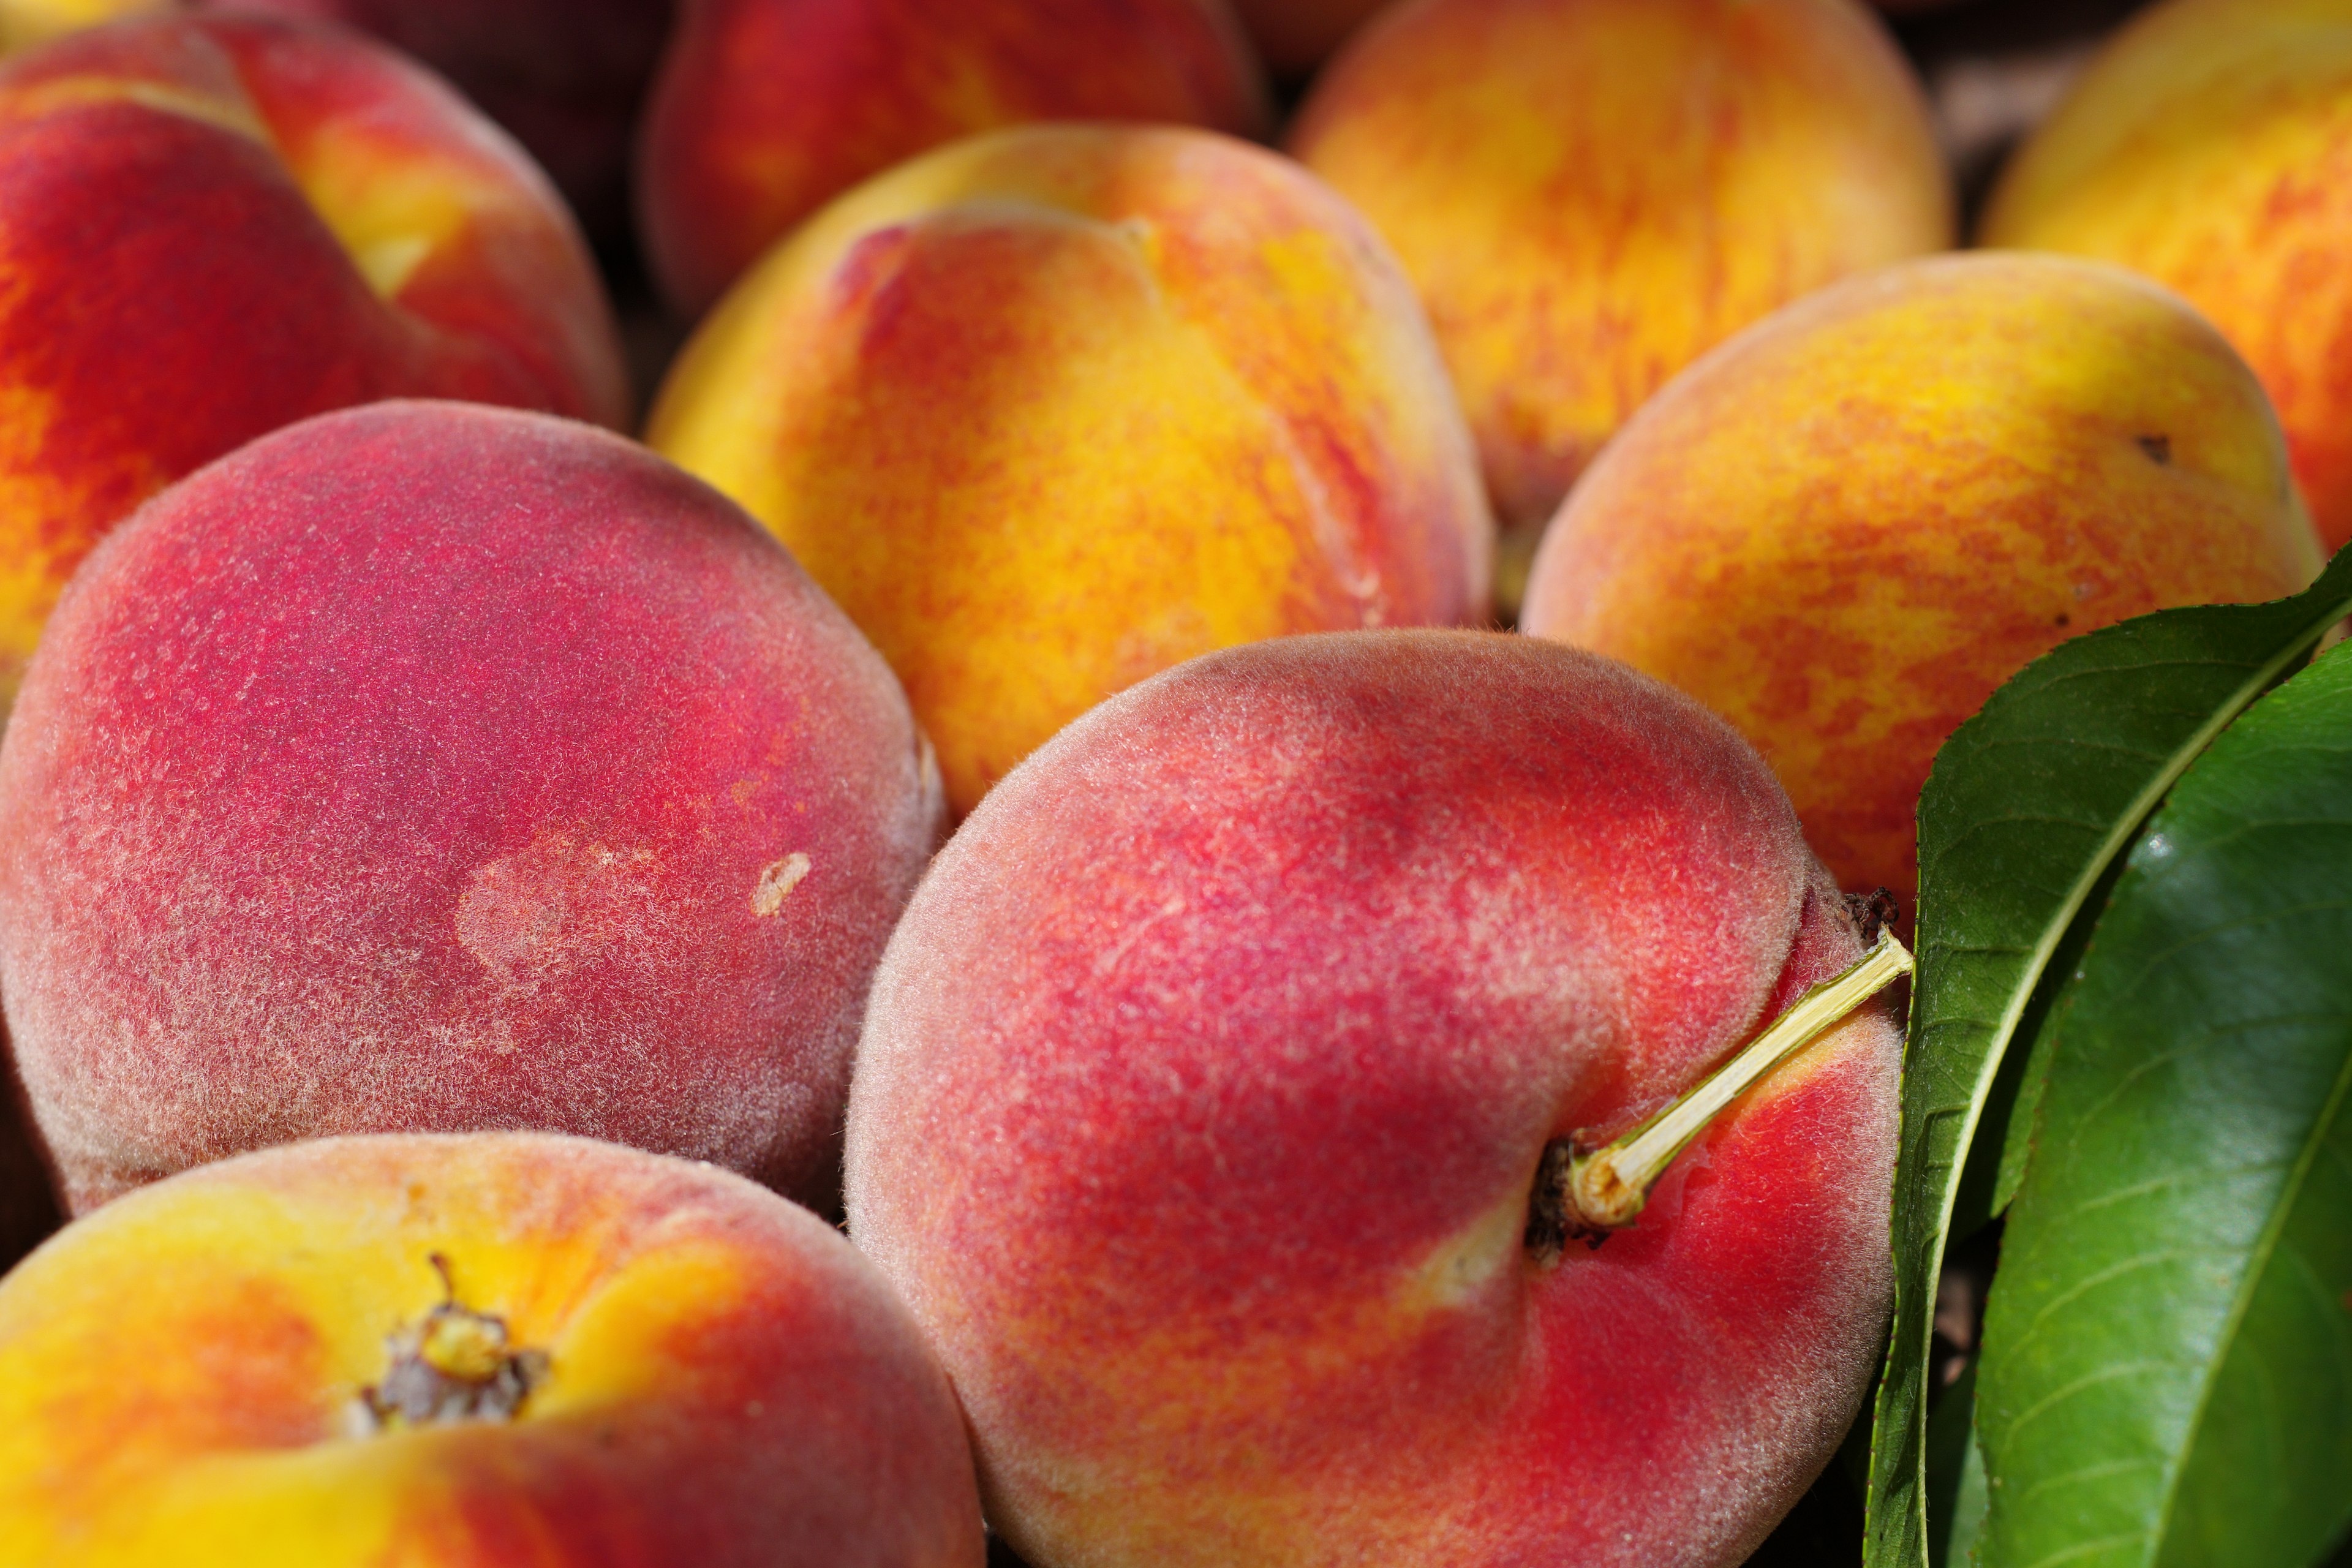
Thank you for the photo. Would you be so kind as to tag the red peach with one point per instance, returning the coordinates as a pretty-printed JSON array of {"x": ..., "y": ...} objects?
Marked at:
[
  {"x": 434, "y": 767},
  {"x": 214, "y": 228},
  {"x": 766, "y": 110},
  {"x": 1208, "y": 1081},
  {"x": 478, "y": 1352}
]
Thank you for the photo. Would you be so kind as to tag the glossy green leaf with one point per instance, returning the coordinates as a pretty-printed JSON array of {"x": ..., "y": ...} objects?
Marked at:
[
  {"x": 2167, "y": 1379},
  {"x": 2030, "y": 806},
  {"x": 1955, "y": 1477}
]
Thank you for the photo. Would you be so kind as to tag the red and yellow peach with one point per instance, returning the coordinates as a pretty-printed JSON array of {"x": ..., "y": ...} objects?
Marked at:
[{"x": 1053, "y": 408}]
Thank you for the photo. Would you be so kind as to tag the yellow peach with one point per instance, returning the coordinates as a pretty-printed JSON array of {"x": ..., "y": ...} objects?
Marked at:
[
  {"x": 1845, "y": 528},
  {"x": 1588, "y": 193},
  {"x": 2210, "y": 146},
  {"x": 1052, "y": 409}
]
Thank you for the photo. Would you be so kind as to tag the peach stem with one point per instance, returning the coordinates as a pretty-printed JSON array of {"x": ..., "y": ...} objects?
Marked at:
[{"x": 1608, "y": 1186}]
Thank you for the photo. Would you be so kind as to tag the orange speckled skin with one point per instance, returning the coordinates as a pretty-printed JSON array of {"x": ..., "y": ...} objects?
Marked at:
[
  {"x": 210, "y": 229},
  {"x": 1591, "y": 193},
  {"x": 1055, "y": 408},
  {"x": 766, "y": 110},
  {"x": 439, "y": 768},
  {"x": 1207, "y": 1079},
  {"x": 728, "y": 1386},
  {"x": 2211, "y": 147},
  {"x": 1844, "y": 528}
]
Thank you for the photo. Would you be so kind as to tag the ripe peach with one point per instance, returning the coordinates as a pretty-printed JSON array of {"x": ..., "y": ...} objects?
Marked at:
[
  {"x": 1591, "y": 193},
  {"x": 1059, "y": 406},
  {"x": 566, "y": 78},
  {"x": 213, "y": 229},
  {"x": 434, "y": 767},
  {"x": 2210, "y": 146},
  {"x": 766, "y": 110},
  {"x": 1842, "y": 529},
  {"x": 475, "y": 1352},
  {"x": 1208, "y": 1082}
]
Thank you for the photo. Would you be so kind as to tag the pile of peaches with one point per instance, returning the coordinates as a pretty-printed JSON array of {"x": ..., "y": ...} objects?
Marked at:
[{"x": 983, "y": 933}]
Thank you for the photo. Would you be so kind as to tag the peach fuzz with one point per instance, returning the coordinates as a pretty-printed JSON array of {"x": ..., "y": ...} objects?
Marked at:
[
  {"x": 214, "y": 228},
  {"x": 1207, "y": 1082},
  {"x": 434, "y": 767},
  {"x": 765, "y": 109},
  {"x": 565, "y": 78},
  {"x": 1056, "y": 407},
  {"x": 713, "y": 1376},
  {"x": 2210, "y": 146},
  {"x": 1845, "y": 528},
  {"x": 1591, "y": 193}
]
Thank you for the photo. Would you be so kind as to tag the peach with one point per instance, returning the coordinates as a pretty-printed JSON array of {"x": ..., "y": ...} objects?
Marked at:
[
  {"x": 471, "y": 1351},
  {"x": 566, "y": 78},
  {"x": 1209, "y": 1079},
  {"x": 213, "y": 229},
  {"x": 2210, "y": 146},
  {"x": 1591, "y": 193},
  {"x": 434, "y": 767},
  {"x": 1845, "y": 528},
  {"x": 766, "y": 110},
  {"x": 1059, "y": 406}
]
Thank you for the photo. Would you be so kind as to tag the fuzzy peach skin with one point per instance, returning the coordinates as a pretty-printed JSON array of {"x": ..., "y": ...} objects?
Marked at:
[
  {"x": 1845, "y": 528},
  {"x": 1056, "y": 407},
  {"x": 434, "y": 767},
  {"x": 727, "y": 1384},
  {"x": 766, "y": 110},
  {"x": 566, "y": 78},
  {"x": 211, "y": 229},
  {"x": 1591, "y": 193},
  {"x": 2210, "y": 146},
  {"x": 1200, "y": 1104}
]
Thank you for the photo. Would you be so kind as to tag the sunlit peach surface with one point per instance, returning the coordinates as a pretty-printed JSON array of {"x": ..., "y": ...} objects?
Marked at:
[
  {"x": 1590, "y": 192},
  {"x": 1844, "y": 528},
  {"x": 1055, "y": 408},
  {"x": 2211, "y": 147},
  {"x": 209, "y": 229},
  {"x": 711, "y": 1376},
  {"x": 1207, "y": 1078},
  {"x": 24, "y": 23},
  {"x": 765, "y": 109}
]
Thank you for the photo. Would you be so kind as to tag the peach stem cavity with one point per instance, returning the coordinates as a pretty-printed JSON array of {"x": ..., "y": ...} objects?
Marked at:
[{"x": 1587, "y": 1192}]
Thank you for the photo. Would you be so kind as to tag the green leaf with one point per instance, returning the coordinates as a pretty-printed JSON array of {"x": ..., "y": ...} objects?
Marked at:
[
  {"x": 2031, "y": 804},
  {"x": 2168, "y": 1362},
  {"x": 1956, "y": 1475}
]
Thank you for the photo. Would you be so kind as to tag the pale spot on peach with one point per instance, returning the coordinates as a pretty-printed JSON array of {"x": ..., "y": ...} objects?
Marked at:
[
  {"x": 553, "y": 906},
  {"x": 777, "y": 880}
]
